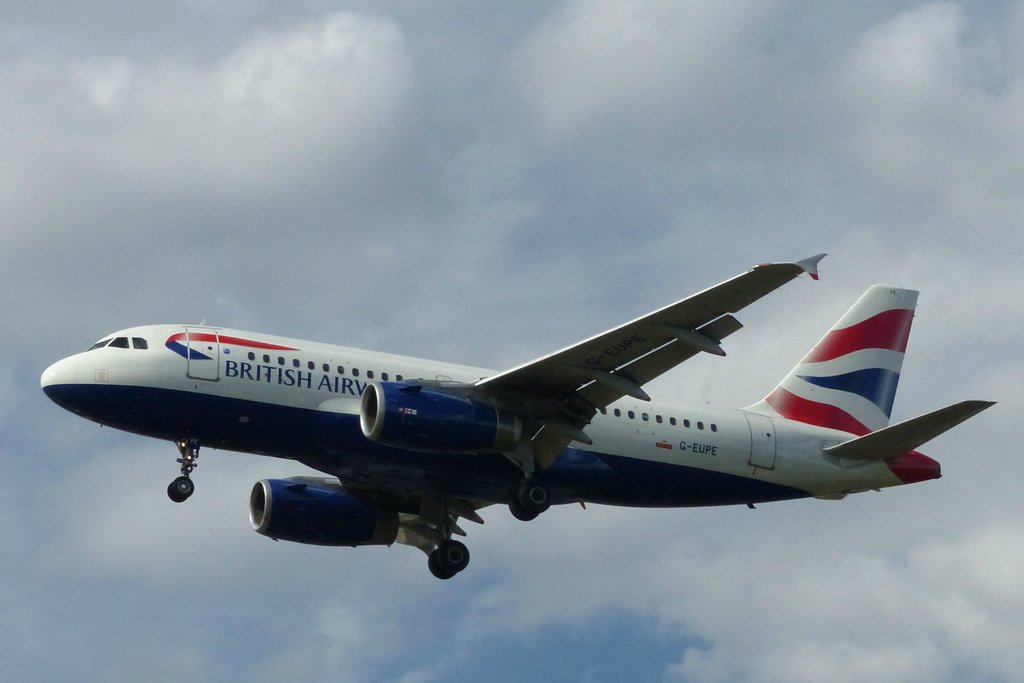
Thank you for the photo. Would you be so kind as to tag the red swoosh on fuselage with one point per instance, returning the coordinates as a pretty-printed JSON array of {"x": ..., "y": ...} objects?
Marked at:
[{"x": 234, "y": 341}]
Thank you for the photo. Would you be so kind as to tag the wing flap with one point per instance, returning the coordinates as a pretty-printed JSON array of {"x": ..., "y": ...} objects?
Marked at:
[
  {"x": 904, "y": 437},
  {"x": 658, "y": 362}
]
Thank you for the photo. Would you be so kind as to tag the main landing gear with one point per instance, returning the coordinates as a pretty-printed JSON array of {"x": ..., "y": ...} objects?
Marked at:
[
  {"x": 450, "y": 556},
  {"x": 531, "y": 497},
  {"x": 530, "y": 500},
  {"x": 448, "y": 559},
  {"x": 181, "y": 488}
]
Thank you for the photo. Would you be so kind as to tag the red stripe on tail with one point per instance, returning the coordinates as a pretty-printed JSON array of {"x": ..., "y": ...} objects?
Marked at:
[
  {"x": 792, "y": 407},
  {"x": 887, "y": 330}
]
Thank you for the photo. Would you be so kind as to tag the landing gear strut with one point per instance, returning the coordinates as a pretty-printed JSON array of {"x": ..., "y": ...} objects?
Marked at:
[
  {"x": 181, "y": 488},
  {"x": 530, "y": 500}
]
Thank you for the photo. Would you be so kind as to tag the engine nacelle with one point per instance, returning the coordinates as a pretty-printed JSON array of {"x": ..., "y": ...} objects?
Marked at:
[
  {"x": 433, "y": 420},
  {"x": 291, "y": 510}
]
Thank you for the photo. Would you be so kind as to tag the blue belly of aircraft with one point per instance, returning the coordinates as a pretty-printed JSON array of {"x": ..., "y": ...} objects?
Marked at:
[{"x": 334, "y": 443}]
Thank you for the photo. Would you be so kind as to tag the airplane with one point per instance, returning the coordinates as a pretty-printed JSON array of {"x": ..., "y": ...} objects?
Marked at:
[{"x": 413, "y": 446}]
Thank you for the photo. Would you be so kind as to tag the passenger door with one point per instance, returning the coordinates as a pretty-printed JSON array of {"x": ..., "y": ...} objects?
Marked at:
[
  {"x": 762, "y": 441},
  {"x": 203, "y": 353}
]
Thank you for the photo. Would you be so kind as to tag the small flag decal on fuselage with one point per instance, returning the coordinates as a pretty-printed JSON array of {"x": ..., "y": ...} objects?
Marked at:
[{"x": 663, "y": 444}]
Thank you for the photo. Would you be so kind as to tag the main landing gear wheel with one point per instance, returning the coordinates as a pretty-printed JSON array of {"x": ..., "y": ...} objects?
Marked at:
[
  {"x": 448, "y": 559},
  {"x": 530, "y": 500},
  {"x": 181, "y": 488}
]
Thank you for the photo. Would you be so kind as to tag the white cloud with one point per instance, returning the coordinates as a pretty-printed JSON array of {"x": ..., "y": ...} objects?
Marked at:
[
  {"x": 592, "y": 61},
  {"x": 271, "y": 153},
  {"x": 674, "y": 149},
  {"x": 934, "y": 121},
  {"x": 267, "y": 114},
  {"x": 105, "y": 82},
  {"x": 916, "y": 54},
  {"x": 264, "y": 119}
]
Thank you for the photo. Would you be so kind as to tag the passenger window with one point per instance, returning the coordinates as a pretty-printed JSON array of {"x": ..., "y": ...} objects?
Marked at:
[
  {"x": 604, "y": 411},
  {"x": 327, "y": 367},
  {"x": 355, "y": 372},
  {"x": 266, "y": 358},
  {"x": 632, "y": 415},
  {"x": 99, "y": 344},
  {"x": 139, "y": 343},
  {"x": 686, "y": 423},
  {"x": 252, "y": 356},
  {"x": 398, "y": 378},
  {"x": 341, "y": 370},
  {"x": 295, "y": 362},
  {"x": 119, "y": 343},
  {"x": 384, "y": 376},
  {"x": 311, "y": 365},
  {"x": 280, "y": 360},
  {"x": 645, "y": 416},
  {"x": 369, "y": 374},
  {"x": 618, "y": 413},
  {"x": 672, "y": 421},
  {"x": 714, "y": 427},
  {"x": 657, "y": 418},
  {"x": 700, "y": 425}
]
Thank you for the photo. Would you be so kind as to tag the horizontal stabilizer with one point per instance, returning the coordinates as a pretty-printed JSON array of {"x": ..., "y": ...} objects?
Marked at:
[{"x": 904, "y": 437}]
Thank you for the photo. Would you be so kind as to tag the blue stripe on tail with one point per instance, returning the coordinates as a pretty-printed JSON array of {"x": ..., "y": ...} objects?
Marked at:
[{"x": 875, "y": 384}]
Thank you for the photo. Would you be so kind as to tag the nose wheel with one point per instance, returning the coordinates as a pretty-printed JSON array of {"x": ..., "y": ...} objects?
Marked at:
[{"x": 181, "y": 488}]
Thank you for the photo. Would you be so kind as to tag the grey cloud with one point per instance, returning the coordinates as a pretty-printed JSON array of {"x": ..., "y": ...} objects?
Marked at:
[
  {"x": 594, "y": 61},
  {"x": 486, "y": 184}
]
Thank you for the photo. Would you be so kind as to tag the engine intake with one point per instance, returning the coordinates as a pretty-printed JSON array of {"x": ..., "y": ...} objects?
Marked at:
[
  {"x": 293, "y": 510},
  {"x": 433, "y": 420}
]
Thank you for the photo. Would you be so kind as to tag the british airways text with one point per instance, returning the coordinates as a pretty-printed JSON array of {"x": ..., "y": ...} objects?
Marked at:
[{"x": 290, "y": 377}]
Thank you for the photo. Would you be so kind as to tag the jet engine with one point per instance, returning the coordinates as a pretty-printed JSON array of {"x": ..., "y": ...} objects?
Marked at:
[
  {"x": 433, "y": 420},
  {"x": 299, "y": 511}
]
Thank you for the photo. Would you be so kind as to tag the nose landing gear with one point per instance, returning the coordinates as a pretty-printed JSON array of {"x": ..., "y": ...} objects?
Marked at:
[{"x": 181, "y": 488}]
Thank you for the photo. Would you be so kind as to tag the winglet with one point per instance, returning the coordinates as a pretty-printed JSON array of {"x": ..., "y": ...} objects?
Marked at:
[{"x": 810, "y": 265}]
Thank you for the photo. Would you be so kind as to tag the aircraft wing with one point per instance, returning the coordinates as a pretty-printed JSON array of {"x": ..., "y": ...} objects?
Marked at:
[{"x": 563, "y": 391}]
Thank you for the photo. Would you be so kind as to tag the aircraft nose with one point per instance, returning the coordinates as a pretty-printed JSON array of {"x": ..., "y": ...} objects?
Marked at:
[
  {"x": 913, "y": 467},
  {"x": 62, "y": 372},
  {"x": 59, "y": 378}
]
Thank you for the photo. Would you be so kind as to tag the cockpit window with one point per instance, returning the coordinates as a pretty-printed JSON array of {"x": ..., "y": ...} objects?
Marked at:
[{"x": 121, "y": 343}]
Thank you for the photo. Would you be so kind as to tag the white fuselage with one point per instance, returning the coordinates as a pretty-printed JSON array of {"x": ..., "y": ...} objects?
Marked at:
[{"x": 299, "y": 399}]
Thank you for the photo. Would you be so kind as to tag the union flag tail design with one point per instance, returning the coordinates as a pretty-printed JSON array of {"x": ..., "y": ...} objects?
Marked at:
[{"x": 848, "y": 381}]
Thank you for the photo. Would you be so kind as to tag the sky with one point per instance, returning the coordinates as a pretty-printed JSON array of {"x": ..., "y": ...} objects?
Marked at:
[{"x": 485, "y": 183}]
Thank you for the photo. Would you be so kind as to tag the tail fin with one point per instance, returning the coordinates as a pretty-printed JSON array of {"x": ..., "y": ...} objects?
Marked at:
[{"x": 848, "y": 381}]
